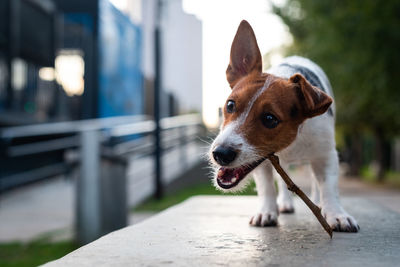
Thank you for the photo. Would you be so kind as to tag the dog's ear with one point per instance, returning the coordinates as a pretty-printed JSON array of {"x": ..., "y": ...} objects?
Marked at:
[
  {"x": 314, "y": 101},
  {"x": 245, "y": 54}
]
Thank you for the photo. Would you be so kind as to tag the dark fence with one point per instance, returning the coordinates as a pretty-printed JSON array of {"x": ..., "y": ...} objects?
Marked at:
[{"x": 97, "y": 151}]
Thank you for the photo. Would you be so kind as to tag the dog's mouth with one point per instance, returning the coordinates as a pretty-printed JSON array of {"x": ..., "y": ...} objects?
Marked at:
[{"x": 230, "y": 177}]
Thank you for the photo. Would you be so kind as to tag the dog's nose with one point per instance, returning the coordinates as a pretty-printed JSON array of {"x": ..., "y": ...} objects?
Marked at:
[{"x": 224, "y": 155}]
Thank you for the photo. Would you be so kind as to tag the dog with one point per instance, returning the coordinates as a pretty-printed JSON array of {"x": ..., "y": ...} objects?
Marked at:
[{"x": 288, "y": 111}]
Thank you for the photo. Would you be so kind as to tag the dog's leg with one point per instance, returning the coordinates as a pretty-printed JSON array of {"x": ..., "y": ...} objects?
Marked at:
[
  {"x": 267, "y": 214},
  {"x": 326, "y": 171},
  {"x": 314, "y": 188},
  {"x": 285, "y": 201}
]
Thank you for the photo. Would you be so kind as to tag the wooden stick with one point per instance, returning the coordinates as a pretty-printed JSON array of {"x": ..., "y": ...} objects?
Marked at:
[{"x": 294, "y": 188}]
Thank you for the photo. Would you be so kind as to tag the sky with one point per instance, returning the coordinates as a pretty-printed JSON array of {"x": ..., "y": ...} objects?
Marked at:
[{"x": 220, "y": 21}]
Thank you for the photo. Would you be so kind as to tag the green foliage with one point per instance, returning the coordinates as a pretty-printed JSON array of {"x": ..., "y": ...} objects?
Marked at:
[
  {"x": 34, "y": 253},
  {"x": 357, "y": 43},
  {"x": 392, "y": 178},
  {"x": 368, "y": 174}
]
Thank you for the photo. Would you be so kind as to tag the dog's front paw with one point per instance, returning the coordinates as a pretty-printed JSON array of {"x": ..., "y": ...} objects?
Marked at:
[
  {"x": 264, "y": 218},
  {"x": 285, "y": 205},
  {"x": 340, "y": 221}
]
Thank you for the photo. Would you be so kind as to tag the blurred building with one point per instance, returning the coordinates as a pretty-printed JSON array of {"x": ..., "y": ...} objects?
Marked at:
[
  {"x": 110, "y": 44},
  {"x": 181, "y": 56},
  {"x": 63, "y": 60},
  {"x": 29, "y": 39},
  {"x": 70, "y": 60}
]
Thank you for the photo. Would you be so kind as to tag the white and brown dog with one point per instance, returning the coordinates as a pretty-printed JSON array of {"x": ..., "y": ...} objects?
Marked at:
[{"x": 287, "y": 110}]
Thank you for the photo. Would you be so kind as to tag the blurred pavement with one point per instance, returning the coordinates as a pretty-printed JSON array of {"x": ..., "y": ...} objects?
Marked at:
[{"x": 354, "y": 187}]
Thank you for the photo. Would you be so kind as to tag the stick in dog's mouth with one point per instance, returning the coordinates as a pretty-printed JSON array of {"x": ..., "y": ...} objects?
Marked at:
[{"x": 228, "y": 178}]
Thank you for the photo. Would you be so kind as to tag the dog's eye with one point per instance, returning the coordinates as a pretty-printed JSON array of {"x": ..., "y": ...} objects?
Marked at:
[
  {"x": 230, "y": 106},
  {"x": 269, "y": 120}
]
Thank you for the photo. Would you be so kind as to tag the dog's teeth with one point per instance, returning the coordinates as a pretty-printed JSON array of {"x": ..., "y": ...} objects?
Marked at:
[{"x": 234, "y": 179}]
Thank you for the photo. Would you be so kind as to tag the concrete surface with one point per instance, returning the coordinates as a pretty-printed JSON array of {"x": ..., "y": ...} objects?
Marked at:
[{"x": 210, "y": 231}]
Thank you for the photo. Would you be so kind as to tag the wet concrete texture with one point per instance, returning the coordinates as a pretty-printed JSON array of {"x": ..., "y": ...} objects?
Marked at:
[{"x": 214, "y": 230}]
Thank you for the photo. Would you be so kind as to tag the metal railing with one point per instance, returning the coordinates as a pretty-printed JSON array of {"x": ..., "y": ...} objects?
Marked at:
[{"x": 92, "y": 142}]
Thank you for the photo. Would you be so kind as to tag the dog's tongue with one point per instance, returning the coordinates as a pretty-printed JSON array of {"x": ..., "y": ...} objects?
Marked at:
[
  {"x": 227, "y": 174},
  {"x": 227, "y": 177},
  {"x": 230, "y": 177}
]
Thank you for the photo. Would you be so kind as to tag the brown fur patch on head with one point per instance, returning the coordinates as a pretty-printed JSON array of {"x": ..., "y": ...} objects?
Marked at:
[
  {"x": 242, "y": 94},
  {"x": 314, "y": 101},
  {"x": 279, "y": 99}
]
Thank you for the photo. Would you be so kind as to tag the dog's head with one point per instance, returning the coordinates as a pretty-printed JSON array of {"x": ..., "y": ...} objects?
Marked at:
[{"x": 262, "y": 114}]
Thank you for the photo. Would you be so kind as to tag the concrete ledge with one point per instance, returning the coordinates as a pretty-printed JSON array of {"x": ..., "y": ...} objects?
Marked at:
[{"x": 214, "y": 230}]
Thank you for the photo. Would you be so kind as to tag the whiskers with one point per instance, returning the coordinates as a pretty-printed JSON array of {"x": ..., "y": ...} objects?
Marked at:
[{"x": 208, "y": 142}]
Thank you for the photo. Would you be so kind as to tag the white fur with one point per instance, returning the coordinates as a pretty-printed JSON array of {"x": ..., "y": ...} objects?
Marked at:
[
  {"x": 284, "y": 199},
  {"x": 315, "y": 144},
  {"x": 230, "y": 137},
  {"x": 267, "y": 212},
  {"x": 246, "y": 153}
]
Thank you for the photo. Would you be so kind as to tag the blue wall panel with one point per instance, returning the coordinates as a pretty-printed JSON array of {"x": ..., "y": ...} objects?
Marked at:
[{"x": 120, "y": 77}]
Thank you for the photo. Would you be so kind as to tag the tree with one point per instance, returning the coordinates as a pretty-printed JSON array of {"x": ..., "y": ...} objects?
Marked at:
[{"x": 357, "y": 43}]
